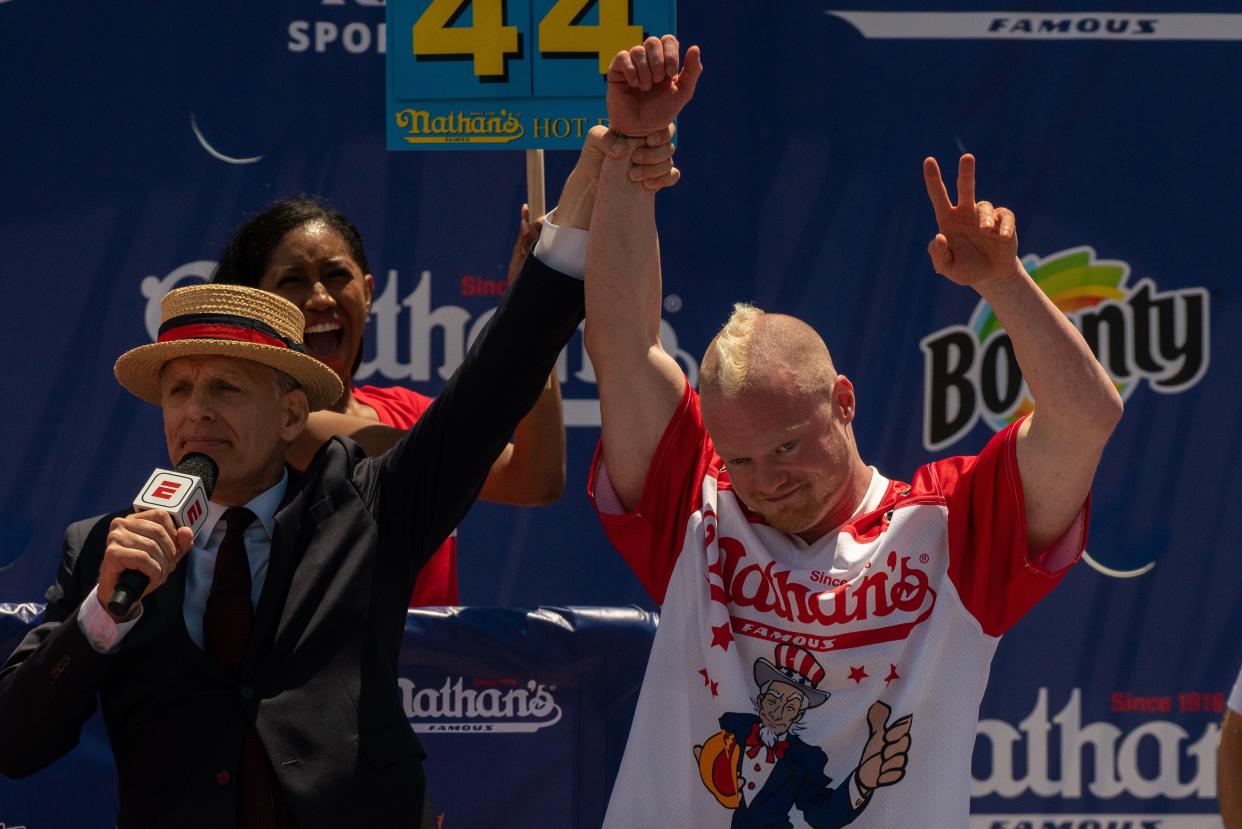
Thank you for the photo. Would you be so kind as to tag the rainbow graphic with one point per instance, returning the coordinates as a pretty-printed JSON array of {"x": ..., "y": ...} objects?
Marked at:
[{"x": 1073, "y": 279}]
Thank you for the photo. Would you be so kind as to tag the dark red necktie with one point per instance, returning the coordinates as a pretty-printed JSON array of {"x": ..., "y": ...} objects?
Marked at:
[
  {"x": 226, "y": 633},
  {"x": 226, "y": 621}
]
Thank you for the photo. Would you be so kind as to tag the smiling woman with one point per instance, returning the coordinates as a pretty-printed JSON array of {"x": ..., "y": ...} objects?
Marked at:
[
  {"x": 313, "y": 256},
  {"x": 307, "y": 252},
  {"x": 313, "y": 268}
]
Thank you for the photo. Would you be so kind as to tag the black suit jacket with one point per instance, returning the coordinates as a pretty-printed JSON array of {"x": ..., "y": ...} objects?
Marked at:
[{"x": 319, "y": 678}]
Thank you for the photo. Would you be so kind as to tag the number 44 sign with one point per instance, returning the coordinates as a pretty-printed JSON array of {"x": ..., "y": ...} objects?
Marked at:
[{"x": 506, "y": 74}]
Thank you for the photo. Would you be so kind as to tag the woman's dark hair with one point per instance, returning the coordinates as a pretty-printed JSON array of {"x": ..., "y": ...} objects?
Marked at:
[{"x": 245, "y": 257}]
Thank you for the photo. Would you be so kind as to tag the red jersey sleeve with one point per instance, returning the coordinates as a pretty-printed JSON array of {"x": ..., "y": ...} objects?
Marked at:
[
  {"x": 651, "y": 537},
  {"x": 395, "y": 406},
  {"x": 996, "y": 577}
]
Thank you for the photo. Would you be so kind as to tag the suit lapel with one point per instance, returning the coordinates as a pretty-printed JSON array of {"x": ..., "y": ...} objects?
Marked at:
[
  {"x": 282, "y": 562},
  {"x": 162, "y": 609}
]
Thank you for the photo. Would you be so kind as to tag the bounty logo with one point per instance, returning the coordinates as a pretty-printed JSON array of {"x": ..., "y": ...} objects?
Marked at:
[
  {"x": 1137, "y": 332},
  {"x": 485, "y": 706}
]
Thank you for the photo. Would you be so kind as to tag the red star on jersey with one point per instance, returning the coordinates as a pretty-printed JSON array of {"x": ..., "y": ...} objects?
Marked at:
[
  {"x": 703, "y": 673},
  {"x": 722, "y": 636},
  {"x": 892, "y": 674},
  {"x": 715, "y": 685},
  {"x": 858, "y": 674}
]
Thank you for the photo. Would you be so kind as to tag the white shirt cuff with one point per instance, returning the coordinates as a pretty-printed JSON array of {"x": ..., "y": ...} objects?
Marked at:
[
  {"x": 97, "y": 625},
  {"x": 562, "y": 248},
  {"x": 857, "y": 800}
]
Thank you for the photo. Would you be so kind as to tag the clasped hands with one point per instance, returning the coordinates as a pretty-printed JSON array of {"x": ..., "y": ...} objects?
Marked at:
[{"x": 647, "y": 88}]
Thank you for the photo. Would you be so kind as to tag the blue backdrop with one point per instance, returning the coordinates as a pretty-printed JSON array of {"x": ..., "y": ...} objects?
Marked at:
[{"x": 137, "y": 136}]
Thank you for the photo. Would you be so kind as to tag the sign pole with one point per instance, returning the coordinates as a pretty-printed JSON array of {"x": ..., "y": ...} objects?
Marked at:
[{"x": 534, "y": 184}]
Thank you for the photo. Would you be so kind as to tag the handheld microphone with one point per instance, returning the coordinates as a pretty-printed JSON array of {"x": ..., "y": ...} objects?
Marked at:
[{"x": 182, "y": 492}]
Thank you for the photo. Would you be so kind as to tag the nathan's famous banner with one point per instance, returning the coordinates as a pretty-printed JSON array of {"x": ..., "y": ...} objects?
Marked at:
[
  {"x": 523, "y": 715},
  {"x": 1100, "y": 124}
]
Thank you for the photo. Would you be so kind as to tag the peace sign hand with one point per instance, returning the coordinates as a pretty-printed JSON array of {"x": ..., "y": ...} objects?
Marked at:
[{"x": 977, "y": 242}]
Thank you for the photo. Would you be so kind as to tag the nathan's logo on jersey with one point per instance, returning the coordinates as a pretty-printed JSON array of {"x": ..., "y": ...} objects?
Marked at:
[
  {"x": 411, "y": 341},
  {"x": 480, "y": 705},
  {"x": 1139, "y": 334},
  {"x": 883, "y": 605},
  {"x": 1059, "y": 757}
]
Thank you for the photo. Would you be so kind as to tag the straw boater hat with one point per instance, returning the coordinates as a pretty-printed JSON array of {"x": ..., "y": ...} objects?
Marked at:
[
  {"x": 230, "y": 321},
  {"x": 797, "y": 667}
]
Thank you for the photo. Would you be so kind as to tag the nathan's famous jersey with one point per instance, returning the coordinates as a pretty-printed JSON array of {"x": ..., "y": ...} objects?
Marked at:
[{"x": 902, "y": 605}]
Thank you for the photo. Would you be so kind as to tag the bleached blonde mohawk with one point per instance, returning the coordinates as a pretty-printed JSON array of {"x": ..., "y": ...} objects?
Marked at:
[{"x": 730, "y": 369}]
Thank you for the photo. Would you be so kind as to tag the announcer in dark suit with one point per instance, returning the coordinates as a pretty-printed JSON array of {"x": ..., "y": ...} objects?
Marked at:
[{"x": 255, "y": 684}]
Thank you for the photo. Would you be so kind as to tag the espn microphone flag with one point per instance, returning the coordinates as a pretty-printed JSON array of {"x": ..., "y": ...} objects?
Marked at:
[
  {"x": 182, "y": 492},
  {"x": 183, "y": 496}
]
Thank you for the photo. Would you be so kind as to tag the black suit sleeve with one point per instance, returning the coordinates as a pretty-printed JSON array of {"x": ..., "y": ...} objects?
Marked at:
[
  {"x": 422, "y": 488},
  {"x": 48, "y": 686}
]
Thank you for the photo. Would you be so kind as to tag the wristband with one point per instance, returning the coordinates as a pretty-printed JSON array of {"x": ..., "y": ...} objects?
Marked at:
[{"x": 616, "y": 133}]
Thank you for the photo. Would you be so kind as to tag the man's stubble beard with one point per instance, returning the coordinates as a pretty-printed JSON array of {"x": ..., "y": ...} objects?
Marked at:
[{"x": 797, "y": 518}]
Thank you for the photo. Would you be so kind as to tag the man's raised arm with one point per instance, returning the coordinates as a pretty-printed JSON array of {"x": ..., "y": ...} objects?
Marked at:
[
  {"x": 640, "y": 385},
  {"x": 1076, "y": 404}
]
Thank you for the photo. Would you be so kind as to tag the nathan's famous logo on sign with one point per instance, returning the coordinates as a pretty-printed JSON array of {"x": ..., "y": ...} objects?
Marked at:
[
  {"x": 457, "y": 127},
  {"x": 1058, "y": 757},
  {"x": 479, "y": 705},
  {"x": 1139, "y": 334},
  {"x": 416, "y": 342}
]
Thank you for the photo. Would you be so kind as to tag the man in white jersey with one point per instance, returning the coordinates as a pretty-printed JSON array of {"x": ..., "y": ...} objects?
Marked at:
[
  {"x": 748, "y": 515},
  {"x": 1230, "y": 766}
]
